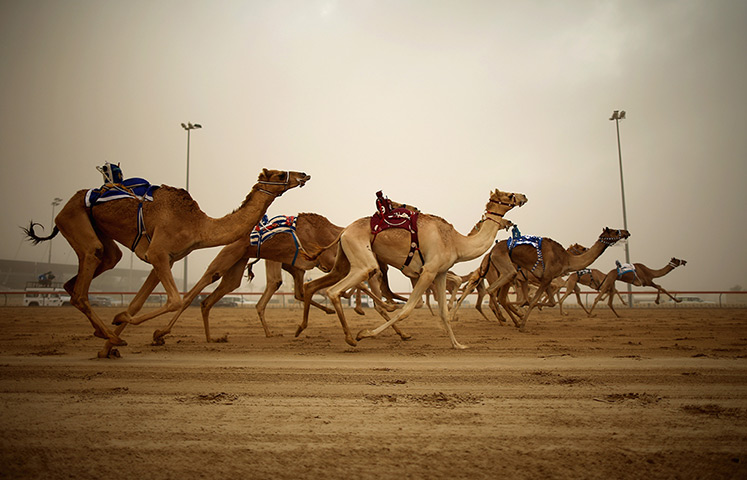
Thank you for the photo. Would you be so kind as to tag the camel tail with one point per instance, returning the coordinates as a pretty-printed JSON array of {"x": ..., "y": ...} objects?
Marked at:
[
  {"x": 249, "y": 273},
  {"x": 34, "y": 238}
]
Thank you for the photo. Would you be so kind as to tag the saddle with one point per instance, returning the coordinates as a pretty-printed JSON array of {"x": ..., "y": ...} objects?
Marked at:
[
  {"x": 116, "y": 188},
  {"x": 513, "y": 241},
  {"x": 623, "y": 268},
  {"x": 390, "y": 216},
  {"x": 269, "y": 227}
]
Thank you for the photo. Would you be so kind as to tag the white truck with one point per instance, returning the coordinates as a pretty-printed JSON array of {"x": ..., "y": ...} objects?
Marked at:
[{"x": 46, "y": 294}]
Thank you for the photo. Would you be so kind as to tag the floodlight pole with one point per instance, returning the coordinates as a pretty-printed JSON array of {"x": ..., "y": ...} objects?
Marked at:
[
  {"x": 55, "y": 202},
  {"x": 618, "y": 115},
  {"x": 188, "y": 127}
]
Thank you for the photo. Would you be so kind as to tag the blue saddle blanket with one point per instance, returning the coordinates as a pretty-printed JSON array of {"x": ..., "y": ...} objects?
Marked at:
[
  {"x": 136, "y": 188},
  {"x": 532, "y": 240},
  {"x": 268, "y": 227},
  {"x": 623, "y": 268}
]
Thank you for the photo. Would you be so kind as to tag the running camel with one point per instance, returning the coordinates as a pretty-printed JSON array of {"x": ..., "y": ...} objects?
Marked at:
[{"x": 172, "y": 225}]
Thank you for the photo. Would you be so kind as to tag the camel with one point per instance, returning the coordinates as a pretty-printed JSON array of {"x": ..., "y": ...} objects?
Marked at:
[
  {"x": 590, "y": 277},
  {"x": 172, "y": 225},
  {"x": 642, "y": 277},
  {"x": 440, "y": 245},
  {"x": 521, "y": 286},
  {"x": 554, "y": 262},
  {"x": 282, "y": 252}
]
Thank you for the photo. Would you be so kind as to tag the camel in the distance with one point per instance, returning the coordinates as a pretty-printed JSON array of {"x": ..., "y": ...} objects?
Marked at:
[
  {"x": 590, "y": 277},
  {"x": 172, "y": 225},
  {"x": 555, "y": 261},
  {"x": 440, "y": 245},
  {"x": 643, "y": 276}
]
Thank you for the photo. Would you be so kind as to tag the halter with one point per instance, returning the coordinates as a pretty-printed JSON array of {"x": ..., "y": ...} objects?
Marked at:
[
  {"x": 609, "y": 241},
  {"x": 673, "y": 265},
  {"x": 499, "y": 202},
  {"x": 266, "y": 182}
]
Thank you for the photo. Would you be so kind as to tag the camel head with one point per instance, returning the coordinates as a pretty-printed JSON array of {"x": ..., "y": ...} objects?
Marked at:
[
  {"x": 676, "y": 262},
  {"x": 507, "y": 198},
  {"x": 576, "y": 249},
  {"x": 277, "y": 182},
  {"x": 611, "y": 236}
]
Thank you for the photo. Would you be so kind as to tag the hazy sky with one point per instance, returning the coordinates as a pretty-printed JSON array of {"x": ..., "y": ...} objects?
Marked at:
[{"x": 434, "y": 102}]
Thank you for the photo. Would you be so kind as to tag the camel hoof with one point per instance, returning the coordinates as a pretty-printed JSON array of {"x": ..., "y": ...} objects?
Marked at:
[
  {"x": 459, "y": 346},
  {"x": 351, "y": 342},
  {"x": 113, "y": 353},
  {"x": 359, "y": 311},
  {"x": 363, "y": 334},
  {"x": 299, "y": 330},
  {"x": 120, "y": 318},
  {"x": 116, "y": 341},
  {"x": 158, "y": 338},
  {"x": 405, "y": 336},
  {"x": 100, "y": 334}
]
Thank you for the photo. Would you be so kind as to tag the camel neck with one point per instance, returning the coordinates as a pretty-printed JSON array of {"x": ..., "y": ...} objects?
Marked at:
[
  {"x": 583, "y": 260},
  {"x": 479, "y": 240},
  {"x": 240, "y": 222},
  {"x": 662, "y": 271}
]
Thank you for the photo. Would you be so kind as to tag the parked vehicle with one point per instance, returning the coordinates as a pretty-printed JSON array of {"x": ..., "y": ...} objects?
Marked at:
[{"x": 45, "y": 295}]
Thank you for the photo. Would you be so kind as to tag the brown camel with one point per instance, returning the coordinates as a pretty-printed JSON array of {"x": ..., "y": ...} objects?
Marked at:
[
  {"x": 520, "y": 284},
  {"x": 441, "y": 246},
  {"x": 642, "y": 277},
  {"x": 555, "y": 261},
  {"x": 590, "y": 277},
  {"x": 282, "y": 252},
  {"x": 172, "y": 226}
]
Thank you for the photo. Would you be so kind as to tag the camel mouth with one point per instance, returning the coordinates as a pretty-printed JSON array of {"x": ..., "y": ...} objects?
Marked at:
[{"x": 302, "y": 181}]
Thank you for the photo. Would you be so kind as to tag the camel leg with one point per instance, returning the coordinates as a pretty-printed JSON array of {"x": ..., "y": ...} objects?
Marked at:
[
  {"x": 95, "y": 256},
  {"x": 230, "y": 261},
  {"x": 426, "y": 279},
  {"x": 161, "y": 263},
  {"x": 533, "y": 303},
  {"x": 502, "y": 300},
  {"x": 136, "y": 304},
  {"x": 362, "y": 269},
  {"x": 338, "y": 272},
  {"x": 230, "y": 281},
  {"x": 440, "y": 294},
  {"x": 382, "y": 307},
  {"x": 660, "y": 290},
  {"x": 480, "y": 297},
  {"x": 570, "y": 286},
  {"x": 611, "y": 300},
  {"x": 596, "y": 300}
]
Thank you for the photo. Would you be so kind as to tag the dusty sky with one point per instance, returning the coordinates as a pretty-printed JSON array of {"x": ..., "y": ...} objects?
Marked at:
[{"x": 434, "y": 102}]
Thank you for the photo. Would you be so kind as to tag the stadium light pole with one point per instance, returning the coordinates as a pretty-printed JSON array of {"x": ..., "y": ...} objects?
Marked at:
[
  {"x": 618, "y": 115},
  {"x": 188, "y": 127},
  {"x": 55, "y": 202}
]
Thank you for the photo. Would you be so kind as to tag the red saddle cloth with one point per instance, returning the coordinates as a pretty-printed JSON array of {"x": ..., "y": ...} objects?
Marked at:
[{"x": 387, "y": 216}]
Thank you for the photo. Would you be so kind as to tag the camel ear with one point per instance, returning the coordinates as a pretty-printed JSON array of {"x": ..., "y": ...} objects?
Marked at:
[{"x": 265, "y": 173}]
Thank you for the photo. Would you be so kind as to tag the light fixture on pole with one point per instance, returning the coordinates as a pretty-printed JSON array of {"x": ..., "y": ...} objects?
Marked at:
[
  {"x": 618, "y": 115},
  {"x": 188, "y": 127},
  {"x": 55, "y": 202}
]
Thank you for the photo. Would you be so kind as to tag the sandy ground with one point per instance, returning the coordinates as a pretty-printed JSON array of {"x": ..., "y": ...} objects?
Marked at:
[{"x": 661, "y": 393}]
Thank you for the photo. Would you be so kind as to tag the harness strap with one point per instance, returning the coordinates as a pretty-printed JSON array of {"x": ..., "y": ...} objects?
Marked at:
[{"x": 140, "y": 228}]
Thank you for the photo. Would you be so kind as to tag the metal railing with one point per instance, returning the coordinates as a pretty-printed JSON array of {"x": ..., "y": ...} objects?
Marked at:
[{"x": 644, "y": 299}]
